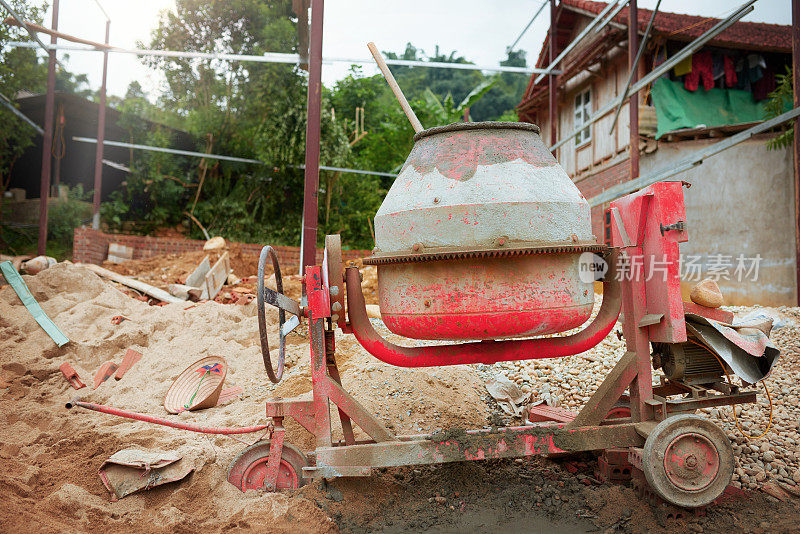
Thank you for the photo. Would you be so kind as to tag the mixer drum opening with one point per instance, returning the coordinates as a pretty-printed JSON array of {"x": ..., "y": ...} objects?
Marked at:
[{"x": 480, "y": 236}]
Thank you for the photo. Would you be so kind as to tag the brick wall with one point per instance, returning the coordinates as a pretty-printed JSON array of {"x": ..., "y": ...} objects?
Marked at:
[
  {"x": 594, "y": 184},
  {"x": 91, "y": 246}
]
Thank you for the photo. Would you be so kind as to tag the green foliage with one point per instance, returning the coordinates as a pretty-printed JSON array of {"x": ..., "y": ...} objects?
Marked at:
[
  {"x": 63, "y": 216},
  {"x": 258, "y": 111},
  {"x": 777, "y": 103},
  {"x": 446, "y": 112},
  {"x": 153, "y": 195},
  {"x": 19, "y": 69}
]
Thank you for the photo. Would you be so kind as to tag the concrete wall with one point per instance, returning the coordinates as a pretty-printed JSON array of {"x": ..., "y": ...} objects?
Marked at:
[{"x": 741, "y": 202}]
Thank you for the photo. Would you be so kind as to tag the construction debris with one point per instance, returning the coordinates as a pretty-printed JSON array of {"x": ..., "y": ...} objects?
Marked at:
[
  {"x": 215, "y": 243},
  {"x": 132, "y": 470},
  {"x": 21, "y": 289},
  {"x": 71, "y": 375},
  {"x": 128, "y": 361},
  {"x": 119, "y": 253},
  {"x": 147, "y": 289},
  {"x": 105, "y": 372},
  {"x": 38, "y": 264}
]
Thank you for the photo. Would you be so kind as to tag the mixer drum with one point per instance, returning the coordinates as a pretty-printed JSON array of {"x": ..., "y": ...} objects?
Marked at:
[{"x": 480, "y": 236}]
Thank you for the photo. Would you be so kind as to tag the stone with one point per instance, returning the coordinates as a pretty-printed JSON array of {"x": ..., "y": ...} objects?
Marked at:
[
  {"x": 707, "y": 293},
  {"x": 215, "y": 243}
]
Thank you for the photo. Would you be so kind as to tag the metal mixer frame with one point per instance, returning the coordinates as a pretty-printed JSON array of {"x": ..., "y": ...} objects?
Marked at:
[{"x": 652, "y": 311}]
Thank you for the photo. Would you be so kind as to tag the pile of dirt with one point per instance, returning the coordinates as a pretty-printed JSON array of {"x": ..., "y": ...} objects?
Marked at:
[
  {"x": 165, "y": 269},
  {"x": 49, "y": 456}
]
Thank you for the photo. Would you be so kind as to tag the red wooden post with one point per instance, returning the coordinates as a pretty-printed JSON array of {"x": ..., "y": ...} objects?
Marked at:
[
  {"x": 47, "y": 141},
  {"x": 633, "y": 106},
  {"x": 313, "y": 114},
  {"x": 101, "y": 134},
  {"x": 552, "y": 77}
]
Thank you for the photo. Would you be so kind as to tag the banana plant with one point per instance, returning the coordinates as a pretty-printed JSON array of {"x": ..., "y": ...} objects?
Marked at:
[{"x": 445, "y": 111}]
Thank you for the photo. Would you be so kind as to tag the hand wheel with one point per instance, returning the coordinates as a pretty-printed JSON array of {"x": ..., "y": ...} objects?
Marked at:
[{"x": 280, "y": 301}]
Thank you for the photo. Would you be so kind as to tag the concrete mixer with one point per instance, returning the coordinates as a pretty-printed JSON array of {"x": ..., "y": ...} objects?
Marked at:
[{"x": 481, "y": 240}]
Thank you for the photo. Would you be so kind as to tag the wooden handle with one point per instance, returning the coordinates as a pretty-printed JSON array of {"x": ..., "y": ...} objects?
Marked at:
[{"x": 412, "y": 118}]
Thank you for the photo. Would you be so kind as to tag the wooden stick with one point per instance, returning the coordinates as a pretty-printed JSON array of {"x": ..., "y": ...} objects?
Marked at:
[
  {"x": 147, "y": 289},
  {"x": 412, "y": 118}
]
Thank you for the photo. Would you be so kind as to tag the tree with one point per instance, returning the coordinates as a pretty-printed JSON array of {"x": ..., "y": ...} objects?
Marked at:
[
  {"x": 778, "y": 103},
  {"x": 19, "y": 70}
]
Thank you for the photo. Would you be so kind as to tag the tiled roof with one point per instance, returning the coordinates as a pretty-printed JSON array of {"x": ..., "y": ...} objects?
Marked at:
[{"x": 749, "y": 35}]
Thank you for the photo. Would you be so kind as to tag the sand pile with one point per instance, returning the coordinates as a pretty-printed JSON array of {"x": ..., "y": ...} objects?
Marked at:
[{"x": 49, "y": 456}]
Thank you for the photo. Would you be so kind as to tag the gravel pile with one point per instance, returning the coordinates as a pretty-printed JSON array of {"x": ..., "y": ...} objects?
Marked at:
[{"x": 570, "y": 381}]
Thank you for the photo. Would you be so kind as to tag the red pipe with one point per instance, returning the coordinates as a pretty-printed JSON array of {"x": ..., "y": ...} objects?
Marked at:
[
  {"x": 165, "y": 422},
  {"x": 483, "y": 351}
]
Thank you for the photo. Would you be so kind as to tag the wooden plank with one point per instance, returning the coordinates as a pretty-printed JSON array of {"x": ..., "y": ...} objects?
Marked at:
[
  {"x": 218, "y": 275},
  {"x": 138, "y": 285},
  {"x": 197, "y": 278}
]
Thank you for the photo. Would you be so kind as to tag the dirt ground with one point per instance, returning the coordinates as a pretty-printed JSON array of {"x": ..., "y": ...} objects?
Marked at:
[{"x": 49, "y": 456}]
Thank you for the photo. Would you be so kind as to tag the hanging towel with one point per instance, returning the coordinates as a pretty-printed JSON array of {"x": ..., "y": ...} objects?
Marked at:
[{"x": 684, "y": 67}]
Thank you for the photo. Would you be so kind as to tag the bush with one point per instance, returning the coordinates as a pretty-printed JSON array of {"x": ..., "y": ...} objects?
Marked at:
[{"x": 66, "y": 215}]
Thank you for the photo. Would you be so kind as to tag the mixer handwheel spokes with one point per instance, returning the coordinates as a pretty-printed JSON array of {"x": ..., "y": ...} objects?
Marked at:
[
  {"x": 688, "y": 460},
  {"x": 280, "y": 301},
  {"x": 249, "y": 469}
]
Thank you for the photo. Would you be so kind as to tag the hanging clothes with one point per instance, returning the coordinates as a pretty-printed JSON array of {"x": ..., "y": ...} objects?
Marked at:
[
  {"x": 684, "y": 67},
  {"x": 730, "y": 71},
  {"x": 702, "y": 69},
  {"x": 764, "y": 86}
]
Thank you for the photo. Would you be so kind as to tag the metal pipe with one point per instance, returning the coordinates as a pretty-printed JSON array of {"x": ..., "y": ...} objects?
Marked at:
[
  {"x": 294, "y": 59},
  {"x": 578, "y": 39},
  {"x": 634, "y": 73},
  {"x": 633, "y": 106},
  {"x": 796, "y": 85},
  {"x": 487, "y": 352},
  {"x": 313, "y": 126},
  {"x": 165, "y": 422},
  {"x": 551, "y": 81},
  {"x": 7, "y": 103},
  {"x": 686, "y": 51},
  {"x": 47, "y": 141},
  {"x": 101, "y": 135},
  {"x": 692, "y": 161},
  {"x": 525, "y": 29},
  {"x": 16, "y": 16},
  {"x": 611, "y": 16},
  {"x": 217, "y": 156}
]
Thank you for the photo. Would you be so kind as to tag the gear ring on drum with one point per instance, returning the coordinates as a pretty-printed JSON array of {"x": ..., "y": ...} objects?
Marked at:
[{"x": 280, "y": 301}]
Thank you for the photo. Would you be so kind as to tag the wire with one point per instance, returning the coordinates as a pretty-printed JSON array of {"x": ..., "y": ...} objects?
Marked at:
[{"x": 733, "y": 408}]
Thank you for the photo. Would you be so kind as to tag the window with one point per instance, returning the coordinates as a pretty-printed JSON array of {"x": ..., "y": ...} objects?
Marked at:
[{"x": 583, "y": 109}]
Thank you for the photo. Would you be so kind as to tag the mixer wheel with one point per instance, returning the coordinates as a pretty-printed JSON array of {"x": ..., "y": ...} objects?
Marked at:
[
  {"x": 688, "y": 460},
  {"x": 249, "y": 469},
  {"x": 280, "y": 301}
]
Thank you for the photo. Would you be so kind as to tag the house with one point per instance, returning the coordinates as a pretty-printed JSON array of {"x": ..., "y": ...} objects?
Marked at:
[
  {"x": 73, "y": 161},
  {"x": 740, "y": 207}
]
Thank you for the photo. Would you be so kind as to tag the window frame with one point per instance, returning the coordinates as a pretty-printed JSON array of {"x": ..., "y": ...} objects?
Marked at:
[{"x": 582, "y": 111}]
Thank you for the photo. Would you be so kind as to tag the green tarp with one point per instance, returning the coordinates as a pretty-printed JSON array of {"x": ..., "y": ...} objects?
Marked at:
[{"x": 678, "y": 108}]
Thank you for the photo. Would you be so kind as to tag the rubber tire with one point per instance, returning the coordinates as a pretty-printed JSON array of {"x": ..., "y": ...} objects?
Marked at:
[
  {"x": 655, "y": 449},
  {"x": 290, "y": 454}
]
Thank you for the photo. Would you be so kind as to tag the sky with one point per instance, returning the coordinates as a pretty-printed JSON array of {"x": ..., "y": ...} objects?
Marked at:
[{"x": 479, "y": 30}]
